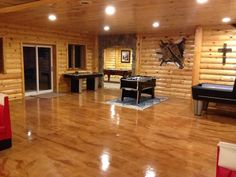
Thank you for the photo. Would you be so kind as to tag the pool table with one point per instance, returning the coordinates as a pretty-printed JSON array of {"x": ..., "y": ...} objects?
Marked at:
[
  {"x": 77, "y": 80},
  {"x": 119, "y": 72},
  {"x": 205, "y": 93}
]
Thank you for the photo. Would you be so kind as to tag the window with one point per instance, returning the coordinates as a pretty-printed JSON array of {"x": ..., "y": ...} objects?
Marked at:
[
  {"x": 1, "y": 56},
  {"x": 76, "y": 56}
]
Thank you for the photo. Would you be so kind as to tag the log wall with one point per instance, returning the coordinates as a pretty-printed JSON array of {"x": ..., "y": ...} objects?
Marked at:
[
  {"x": 171, "y": 81},
  {"x": 176, "y": 82},
  {"x": 12, "y": 81},
  {"x": 212, "y": 69},
  {"x": 112, "y": 59}
]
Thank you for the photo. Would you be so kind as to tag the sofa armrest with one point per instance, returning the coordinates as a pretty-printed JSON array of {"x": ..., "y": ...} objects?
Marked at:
[
  {"x": 226, "y": 160},
  {"x": 2, "y": 99},
  {"x": 227, "y": 155}
]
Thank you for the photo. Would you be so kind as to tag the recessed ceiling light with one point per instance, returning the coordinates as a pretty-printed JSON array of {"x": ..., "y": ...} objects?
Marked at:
[
  {"x": 110, "y": 10},
  {"x": 106, "y": 28},
  {"x": 202, "y": 1},
  {"x": 226, "y": 20},
  {"x": 156, "y": 24},
  {"x": 52, "y": 17}
]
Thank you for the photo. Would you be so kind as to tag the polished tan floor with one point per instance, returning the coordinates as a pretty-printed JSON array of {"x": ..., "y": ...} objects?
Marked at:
[{"x": 77, "y": 135}]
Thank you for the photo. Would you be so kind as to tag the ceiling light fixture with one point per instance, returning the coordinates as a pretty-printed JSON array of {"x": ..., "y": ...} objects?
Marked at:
[
  {"x": 52, "y": 17},
  {"x": 110, "y": 10},
  {"x": 202, "y": 1},
  {"x": 226, "y": 20},
  {"x": 156, "y": 24},
  {"x": 106, "y": 28}
]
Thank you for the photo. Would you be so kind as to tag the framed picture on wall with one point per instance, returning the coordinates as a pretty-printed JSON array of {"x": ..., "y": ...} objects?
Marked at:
[{"x": 125, "y": 56}]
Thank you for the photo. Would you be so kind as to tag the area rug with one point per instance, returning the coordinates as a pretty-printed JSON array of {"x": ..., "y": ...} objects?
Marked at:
[
  {"x": 130, "y": 103},
  {"x": 49, "y": 95}
]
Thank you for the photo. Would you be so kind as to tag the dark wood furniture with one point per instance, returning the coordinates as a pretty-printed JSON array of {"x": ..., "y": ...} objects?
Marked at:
[
  {"x": 119, "y": 72},
  {"x": 77, "y": 81},
  {"x": 205, "y": 93},
  {"x": 134, "y": 86}
]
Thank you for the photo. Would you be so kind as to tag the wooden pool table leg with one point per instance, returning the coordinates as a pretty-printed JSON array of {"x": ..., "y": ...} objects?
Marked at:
[{"x": 108, "y": 77}]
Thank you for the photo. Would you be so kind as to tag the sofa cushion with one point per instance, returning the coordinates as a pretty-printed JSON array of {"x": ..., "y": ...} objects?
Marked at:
[
  {"x": 224, "y": 172},
  {"x": 2, "y": 132},
  {"x": 233, "y": 174},
  {"x": 1, "y": 116}
]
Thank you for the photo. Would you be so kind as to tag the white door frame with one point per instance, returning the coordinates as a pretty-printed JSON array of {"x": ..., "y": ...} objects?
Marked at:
[{"x": 37, "y": 91}]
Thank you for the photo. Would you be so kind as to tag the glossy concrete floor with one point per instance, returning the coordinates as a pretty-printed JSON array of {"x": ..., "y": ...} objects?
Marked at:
[{"x": 77, "y": 135}]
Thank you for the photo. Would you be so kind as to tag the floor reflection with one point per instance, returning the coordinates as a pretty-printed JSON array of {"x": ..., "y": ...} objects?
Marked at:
[
  {"x": 150, "y": 172},
  {"x": 105, "y": 160}
]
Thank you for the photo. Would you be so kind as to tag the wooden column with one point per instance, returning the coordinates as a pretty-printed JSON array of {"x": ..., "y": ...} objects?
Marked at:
[
  {"x": 197, "y": 55},
  {"x": 95, "y": 62},
  {"x": 138, "y": 54}
]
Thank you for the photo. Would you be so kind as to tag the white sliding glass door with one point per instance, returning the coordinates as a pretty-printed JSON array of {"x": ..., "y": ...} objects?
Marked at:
[{"x": 38, "y": 72}]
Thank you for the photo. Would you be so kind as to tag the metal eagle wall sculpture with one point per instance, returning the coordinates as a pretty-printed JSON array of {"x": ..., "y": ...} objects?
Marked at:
[{"x": 172, "y": 53}]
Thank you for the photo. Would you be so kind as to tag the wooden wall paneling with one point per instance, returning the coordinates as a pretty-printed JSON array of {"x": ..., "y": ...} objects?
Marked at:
[
  {"x": 212, "y": 69},
  {"x": 2, "y": 67},
  {"x": 119, "y": 64},
  {"x": 95, "y": 65},
  {"x": 197, "y": 55},
  {"x": 110, "y": 41},
  {"x": 15, "y": 36},
  {"x": 22, "y": 70},
  {"x": 13, "y": 67},
  {"x": 138, "y": 54},
  {"x": 112, "y": 58},
  {"x": 87, "y": 63},
  {"x": 55, "y": 69},
  {"x": 117, "y": 57},
  {"x": 62, "y": 50},
  {"x": 171, "y": 81}
]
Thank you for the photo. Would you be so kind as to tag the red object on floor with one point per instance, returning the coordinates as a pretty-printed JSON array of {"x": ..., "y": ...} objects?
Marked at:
[
  {"x": 226, "y": 160},
  {"x": 5, "y": 123}
]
